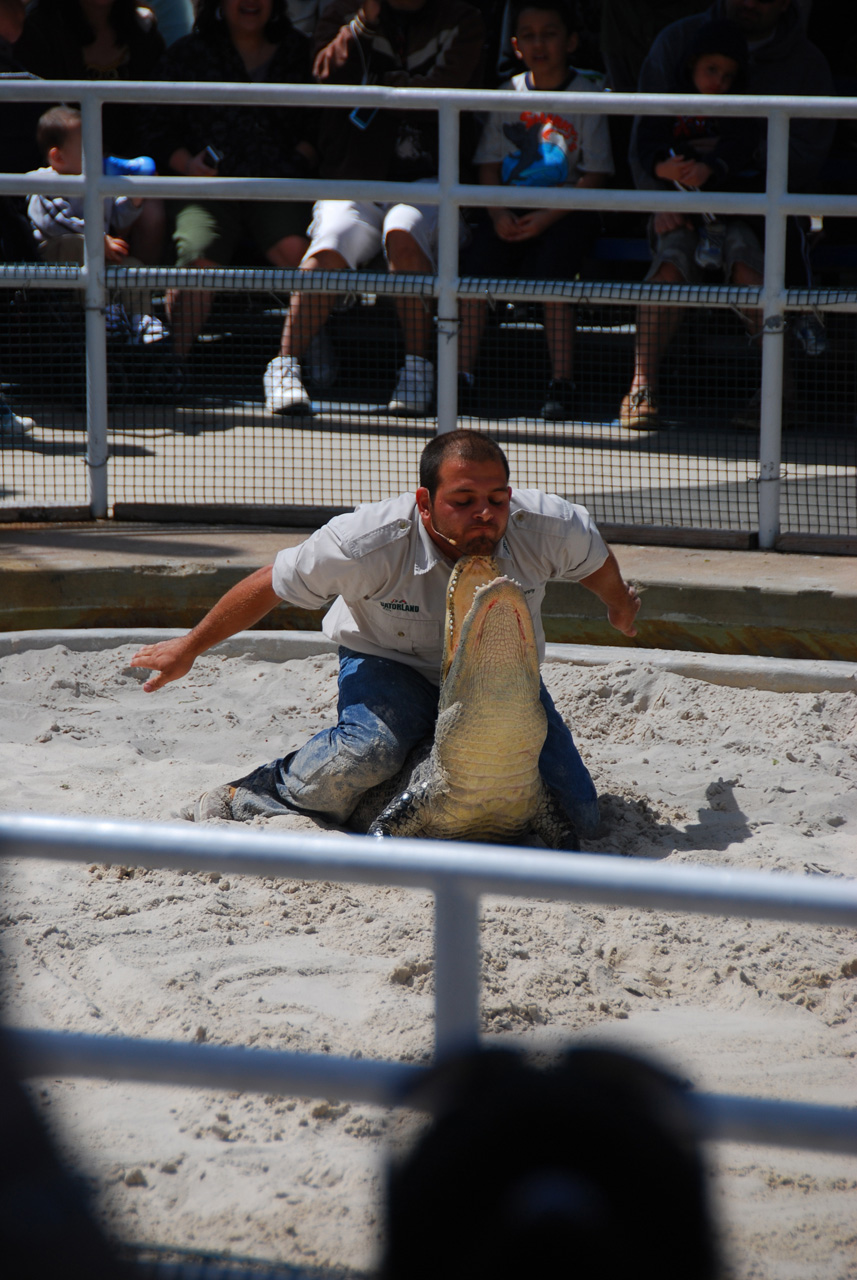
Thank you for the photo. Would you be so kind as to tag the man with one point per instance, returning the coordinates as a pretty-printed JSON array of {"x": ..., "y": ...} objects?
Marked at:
[
  {"x": 389, "y": 563},
  {"x": 421, "y": 44},
  {"x": 781, "y": 61}
]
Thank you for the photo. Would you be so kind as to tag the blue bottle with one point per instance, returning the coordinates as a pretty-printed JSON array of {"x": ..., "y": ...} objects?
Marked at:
[{"x": 139, "y": 167}]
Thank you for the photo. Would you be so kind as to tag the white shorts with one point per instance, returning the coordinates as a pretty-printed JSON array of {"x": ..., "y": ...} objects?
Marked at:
[{"x": 358, "y": 229}]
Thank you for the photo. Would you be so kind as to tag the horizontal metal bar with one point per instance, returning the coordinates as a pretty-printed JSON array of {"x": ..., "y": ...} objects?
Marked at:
[
  {"x": 721, "y": 1118},
  {"x": 724, "y": 1118},
  {"x": 592, "y": 103},
  {"x": 747, "y": 204},
  {"x": 61, "y": 1053},
  {"x": 423, "y": 864}
]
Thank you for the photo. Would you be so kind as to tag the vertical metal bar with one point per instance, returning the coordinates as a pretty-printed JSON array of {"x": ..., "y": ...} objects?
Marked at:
[
  {"x": 773, "y": 332},
  {"x": 447, "y": 271},
  {"x": 456, "y": 968},
  {"x": 95, "y": 299}
]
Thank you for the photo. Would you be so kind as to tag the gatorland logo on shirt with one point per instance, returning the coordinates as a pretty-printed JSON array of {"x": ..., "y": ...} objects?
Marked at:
[{"x": 399, "y": 606}]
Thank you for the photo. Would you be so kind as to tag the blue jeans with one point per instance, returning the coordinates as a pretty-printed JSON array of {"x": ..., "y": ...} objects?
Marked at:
[{"x": 385, "y": 709}]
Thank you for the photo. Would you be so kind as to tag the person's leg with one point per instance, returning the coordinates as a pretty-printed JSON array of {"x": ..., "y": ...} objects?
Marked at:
[
  {"x": 655, "y": 329},
  {"x": 673, "y": 263},
  {"x": 410, "y": 240},
  {"x": 147, "y": 233},
  {"x": 343, "y": 234},
  {"x": 565, "y": 773},
  {"x": 204, "y": 236},
  {"x": 559, "y": 334},
  {"x": 385, "y": 709},
  {"x": 486, "y": 255},
  {"x": 405, "y": 254}
]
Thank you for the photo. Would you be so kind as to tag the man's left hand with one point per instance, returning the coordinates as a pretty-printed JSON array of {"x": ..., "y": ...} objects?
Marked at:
[{"x": 622, "y": 614}]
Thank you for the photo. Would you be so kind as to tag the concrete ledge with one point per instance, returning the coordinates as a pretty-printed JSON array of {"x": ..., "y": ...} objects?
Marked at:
[
  {"x": 780, "y": 675},
  {"x": 694, "y": 600}
]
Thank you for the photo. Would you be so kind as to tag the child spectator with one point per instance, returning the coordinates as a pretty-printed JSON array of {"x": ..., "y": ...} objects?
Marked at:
[
  {"x": 57, "y": 221},
  {"x": 705, "y": 153},
  {"x": 103, "y": 40},
  {"x": 529, "y": 148}
]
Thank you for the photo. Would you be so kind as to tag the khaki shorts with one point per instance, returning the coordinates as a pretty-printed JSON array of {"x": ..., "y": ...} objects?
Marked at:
[
  {"x": 212, "y": 228},
  {"x": 678, "y": 247}
]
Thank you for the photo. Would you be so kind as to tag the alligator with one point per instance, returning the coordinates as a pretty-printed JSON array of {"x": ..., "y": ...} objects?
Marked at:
[{"x": 479, "y": 778}]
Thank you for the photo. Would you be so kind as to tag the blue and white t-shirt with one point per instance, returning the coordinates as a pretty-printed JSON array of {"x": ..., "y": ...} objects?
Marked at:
[{"x": 547, "y": 148}]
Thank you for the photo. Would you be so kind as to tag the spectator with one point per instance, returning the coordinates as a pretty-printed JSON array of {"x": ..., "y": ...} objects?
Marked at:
[
  {"x": 532, "y": 149},
  {"x": 423, "y": 44},
  {"x": 18, "y": 153},
  {"x": 231, "y": 41},
  {"x": 781, "y": 61},
  {"x": 591, "y": 1166},
  {"x": 103, "y": 40},
  {"x": 58, "y": 224}
]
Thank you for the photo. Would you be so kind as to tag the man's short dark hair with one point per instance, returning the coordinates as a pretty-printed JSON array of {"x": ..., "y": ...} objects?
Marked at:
[
  {"x": 566, "y": 10},
  {"x": 470, "y": 446},
  {"x": 55, "y": 126}
]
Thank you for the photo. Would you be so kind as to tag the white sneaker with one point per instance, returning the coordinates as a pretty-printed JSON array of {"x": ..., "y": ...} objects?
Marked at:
[
  {"x": 147, "y": 329},
  {"x": 414, "y": 394},
  {"x": 12, "y": 424},
  {"x": 284, "y": 391}
]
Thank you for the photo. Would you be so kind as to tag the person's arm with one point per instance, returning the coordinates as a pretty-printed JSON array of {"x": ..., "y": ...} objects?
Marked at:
[
  {"x": 243, "y": 605},
  {"x": 619, "y": 596}
]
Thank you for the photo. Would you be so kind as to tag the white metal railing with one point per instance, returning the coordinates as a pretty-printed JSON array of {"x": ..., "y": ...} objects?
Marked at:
[
  {"x": 458, "y": 874},
  {"x": 775, "y": 205}
]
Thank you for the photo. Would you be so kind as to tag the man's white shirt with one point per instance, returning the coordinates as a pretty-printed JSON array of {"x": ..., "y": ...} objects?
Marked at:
[{"x": 389, "y": 579}]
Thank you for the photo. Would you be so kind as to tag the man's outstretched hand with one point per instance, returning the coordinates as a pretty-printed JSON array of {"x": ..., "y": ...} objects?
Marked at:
[
  {"x": 622, "y": 613},
  {"x": 171, "y": 658}
]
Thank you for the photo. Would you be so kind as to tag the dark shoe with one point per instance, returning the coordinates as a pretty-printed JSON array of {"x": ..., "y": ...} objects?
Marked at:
[
  {"x": 212, "y": 804},
  {"x": 559, "y": 401}
]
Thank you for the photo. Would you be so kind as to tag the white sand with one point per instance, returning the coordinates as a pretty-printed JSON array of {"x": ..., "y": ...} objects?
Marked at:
[{"x": 691, "y": 771}]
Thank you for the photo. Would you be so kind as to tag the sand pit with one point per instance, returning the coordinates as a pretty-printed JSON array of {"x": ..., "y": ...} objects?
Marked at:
[{"x": 691, "y": 771}]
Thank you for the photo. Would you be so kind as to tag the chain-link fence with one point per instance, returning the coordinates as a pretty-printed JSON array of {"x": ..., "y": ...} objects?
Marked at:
[{"x": 122, "y": 427}]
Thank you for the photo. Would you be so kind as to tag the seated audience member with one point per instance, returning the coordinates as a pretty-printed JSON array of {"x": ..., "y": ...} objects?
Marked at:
[
  {"x": 780, "y": 60},
  {"x": 423, "y": 44},
  {"x": 232, "y": 41},
  {"x": 103, "y": 40},
  {"x": 58, "y": 225},
  {"x": 564, "y": 1170},
  {"x": 524, "y": 149},
  {"x": 18, "y": 153}
]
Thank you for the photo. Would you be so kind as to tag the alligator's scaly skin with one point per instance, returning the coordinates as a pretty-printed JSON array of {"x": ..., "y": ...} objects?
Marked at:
[{"x": 481, "y": 779}]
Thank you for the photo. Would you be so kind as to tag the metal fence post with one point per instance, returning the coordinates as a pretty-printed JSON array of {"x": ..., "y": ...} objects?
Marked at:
[
  {"x": 447, "y": 270},
  {"x": 95, "y": 299},
  {"x": 456, "y": 968},
  {"x": 773, "y": 331}
]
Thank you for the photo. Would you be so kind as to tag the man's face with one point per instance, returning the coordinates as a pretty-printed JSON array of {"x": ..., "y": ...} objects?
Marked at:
[
  {"x": 470, "y": 508},
  {"x": 756, "y": 18}
]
